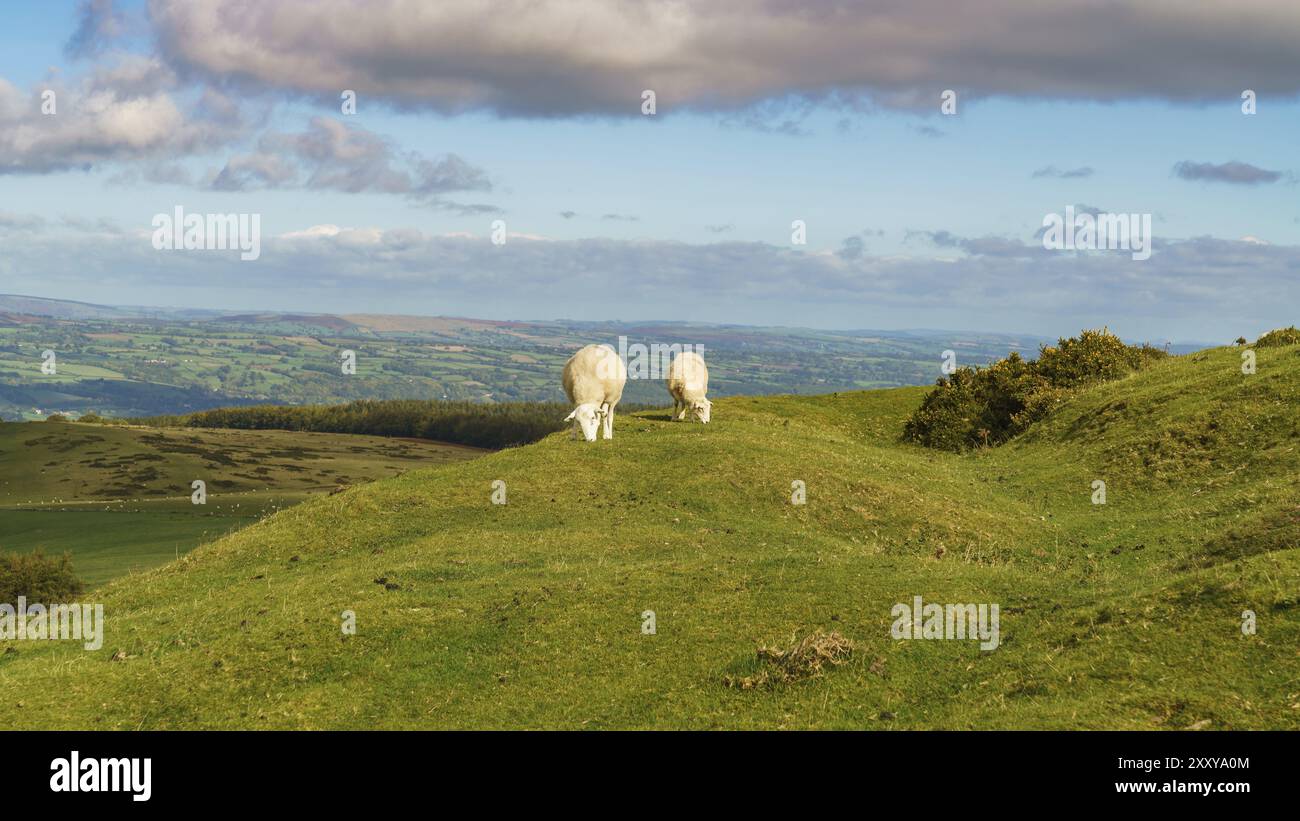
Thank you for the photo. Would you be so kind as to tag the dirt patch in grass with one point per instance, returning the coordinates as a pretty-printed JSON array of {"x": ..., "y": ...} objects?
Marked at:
[{"x": 807, "y": 658}]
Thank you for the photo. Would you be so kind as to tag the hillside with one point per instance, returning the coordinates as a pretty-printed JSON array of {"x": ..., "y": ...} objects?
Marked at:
[
  {"x": 469, "y": 614},
  {"x": 118, "y": 498}
]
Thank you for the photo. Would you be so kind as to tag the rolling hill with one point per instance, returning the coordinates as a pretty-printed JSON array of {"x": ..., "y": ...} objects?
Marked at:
[
  {"x": 529, "y": 614},
  {"x": 118, "y": 498}
]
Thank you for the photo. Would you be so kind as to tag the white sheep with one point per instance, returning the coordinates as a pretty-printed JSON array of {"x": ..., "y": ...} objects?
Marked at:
[
  {"x": 593, "y": 380},
  {"x": 688, "y": 382}
]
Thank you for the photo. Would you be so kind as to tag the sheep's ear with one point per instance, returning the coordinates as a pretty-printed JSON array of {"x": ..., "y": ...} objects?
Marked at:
[{"x": 570, "y": 416}]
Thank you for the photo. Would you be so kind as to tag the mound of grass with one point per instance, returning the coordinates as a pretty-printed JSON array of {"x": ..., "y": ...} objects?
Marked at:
[
  {"x": 806, "y": 659},
  {"x": 980, "y": 407}
]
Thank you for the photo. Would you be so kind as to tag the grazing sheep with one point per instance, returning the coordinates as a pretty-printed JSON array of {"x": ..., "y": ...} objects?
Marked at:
[
  {"x": 593, "y": 380},
  {"x": 688, "y": 381}
]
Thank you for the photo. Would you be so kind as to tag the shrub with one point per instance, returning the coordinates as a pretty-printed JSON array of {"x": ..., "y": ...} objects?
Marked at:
[
  {"x": 977, "y": 407},
  {"x": 38, "y": 578},
  {"x": 56, "y": 417},
  {"x": 1092, "y": 356},
  {"x": 1278, "y": 338}
]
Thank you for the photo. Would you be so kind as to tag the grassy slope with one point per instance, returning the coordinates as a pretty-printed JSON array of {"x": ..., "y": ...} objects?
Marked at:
[
  {"x": 118, "y": 498},
  {"x": 1118, "y": 616}
]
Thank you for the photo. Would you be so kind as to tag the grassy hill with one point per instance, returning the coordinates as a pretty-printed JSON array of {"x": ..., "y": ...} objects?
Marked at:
[
  {"x": 118, "y": 498},
  {"x": 469, "y": 614}
]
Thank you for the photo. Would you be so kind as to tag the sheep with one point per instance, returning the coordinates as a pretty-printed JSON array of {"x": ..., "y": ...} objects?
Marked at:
[
  {"x": 688, "y": 382},
  {"x": 593, "y": 380}
]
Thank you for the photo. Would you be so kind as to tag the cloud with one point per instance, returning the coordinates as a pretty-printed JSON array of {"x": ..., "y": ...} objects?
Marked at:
[
  {"x": 122, "y": 112},
  {"x": 1187, "y": 283},
  {"x": 554, "y": 58},
  {"x": 568, "y": 215},
  {"x": 852, "y": 248},
  {"x": 1233, "y": 173},
  {"x": 10, "y": 221},
  {"x": 330, "y": 155},
  {"x": 98, "y": 23},
  {"x": 1068, "y": 174},
  {"x": 619, "y": 218},
  {"x": 985, "y": 246}
]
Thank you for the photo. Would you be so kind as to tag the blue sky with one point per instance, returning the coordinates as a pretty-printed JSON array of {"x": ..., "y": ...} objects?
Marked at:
[{"x": 683, "y": 215}]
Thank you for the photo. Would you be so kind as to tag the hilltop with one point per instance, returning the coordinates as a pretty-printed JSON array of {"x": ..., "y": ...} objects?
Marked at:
[{"x": 528, "y": 614}]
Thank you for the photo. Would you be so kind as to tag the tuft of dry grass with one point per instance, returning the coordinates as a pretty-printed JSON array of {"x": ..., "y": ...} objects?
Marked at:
[{"x": 805, "y": 659}]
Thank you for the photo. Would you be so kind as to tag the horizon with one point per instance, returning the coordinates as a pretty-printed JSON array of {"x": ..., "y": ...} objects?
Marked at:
[{"x": 614, "y": 321}]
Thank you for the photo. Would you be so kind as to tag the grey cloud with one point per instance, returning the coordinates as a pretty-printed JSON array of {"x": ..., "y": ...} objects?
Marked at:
[
  {"x": 986, "y": 246},
  {"x": 1184, "y": 281},
  {"x": 461, "y": 209},
  {"x": 330, "y": 155},
  {"x": 558, "y": 58},
  {"x": 1067, "y": 174},
  {"x": 852, "y": 248},
  {"x": 1233, "y": 173}
]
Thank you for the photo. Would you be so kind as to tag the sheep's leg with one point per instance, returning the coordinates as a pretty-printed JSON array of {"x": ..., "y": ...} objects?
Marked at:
[
  {"x": 575, "y": 430},
  {"x": 609, "y": 422}
]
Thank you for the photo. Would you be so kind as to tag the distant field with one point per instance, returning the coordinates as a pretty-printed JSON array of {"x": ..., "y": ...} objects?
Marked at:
[
  {"x": 133, "y": 367},
  {"x": 118, "y": 498}
]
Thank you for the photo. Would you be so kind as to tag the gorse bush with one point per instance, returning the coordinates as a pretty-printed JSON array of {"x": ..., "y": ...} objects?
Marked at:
[
  {"x": 977, "y": 407},
  {"x": 1278, "y": 338},
  {"x": 38, "y": 578},
  {"x": 1092, "y": 356}
]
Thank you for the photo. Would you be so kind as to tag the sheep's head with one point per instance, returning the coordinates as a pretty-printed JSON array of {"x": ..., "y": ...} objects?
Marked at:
[
  {"x": 701, "y": 408},
  {"x": 588, "y": 417}
]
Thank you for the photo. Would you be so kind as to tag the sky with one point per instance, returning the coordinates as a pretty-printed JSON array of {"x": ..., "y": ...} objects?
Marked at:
[{"x": 524, "y": 121}]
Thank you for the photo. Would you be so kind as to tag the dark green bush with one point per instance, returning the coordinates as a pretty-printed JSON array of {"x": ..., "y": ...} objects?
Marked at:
[
  {"x": 501, "y": 425},
  {"x": 37, "y": 577},
  {"x": 976, "y": 407}
]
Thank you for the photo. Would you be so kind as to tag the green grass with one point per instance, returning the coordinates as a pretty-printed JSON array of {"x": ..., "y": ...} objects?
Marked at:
[
  {"x": 1126, "y": 615},
  {"x": 118, "y": 498}
]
